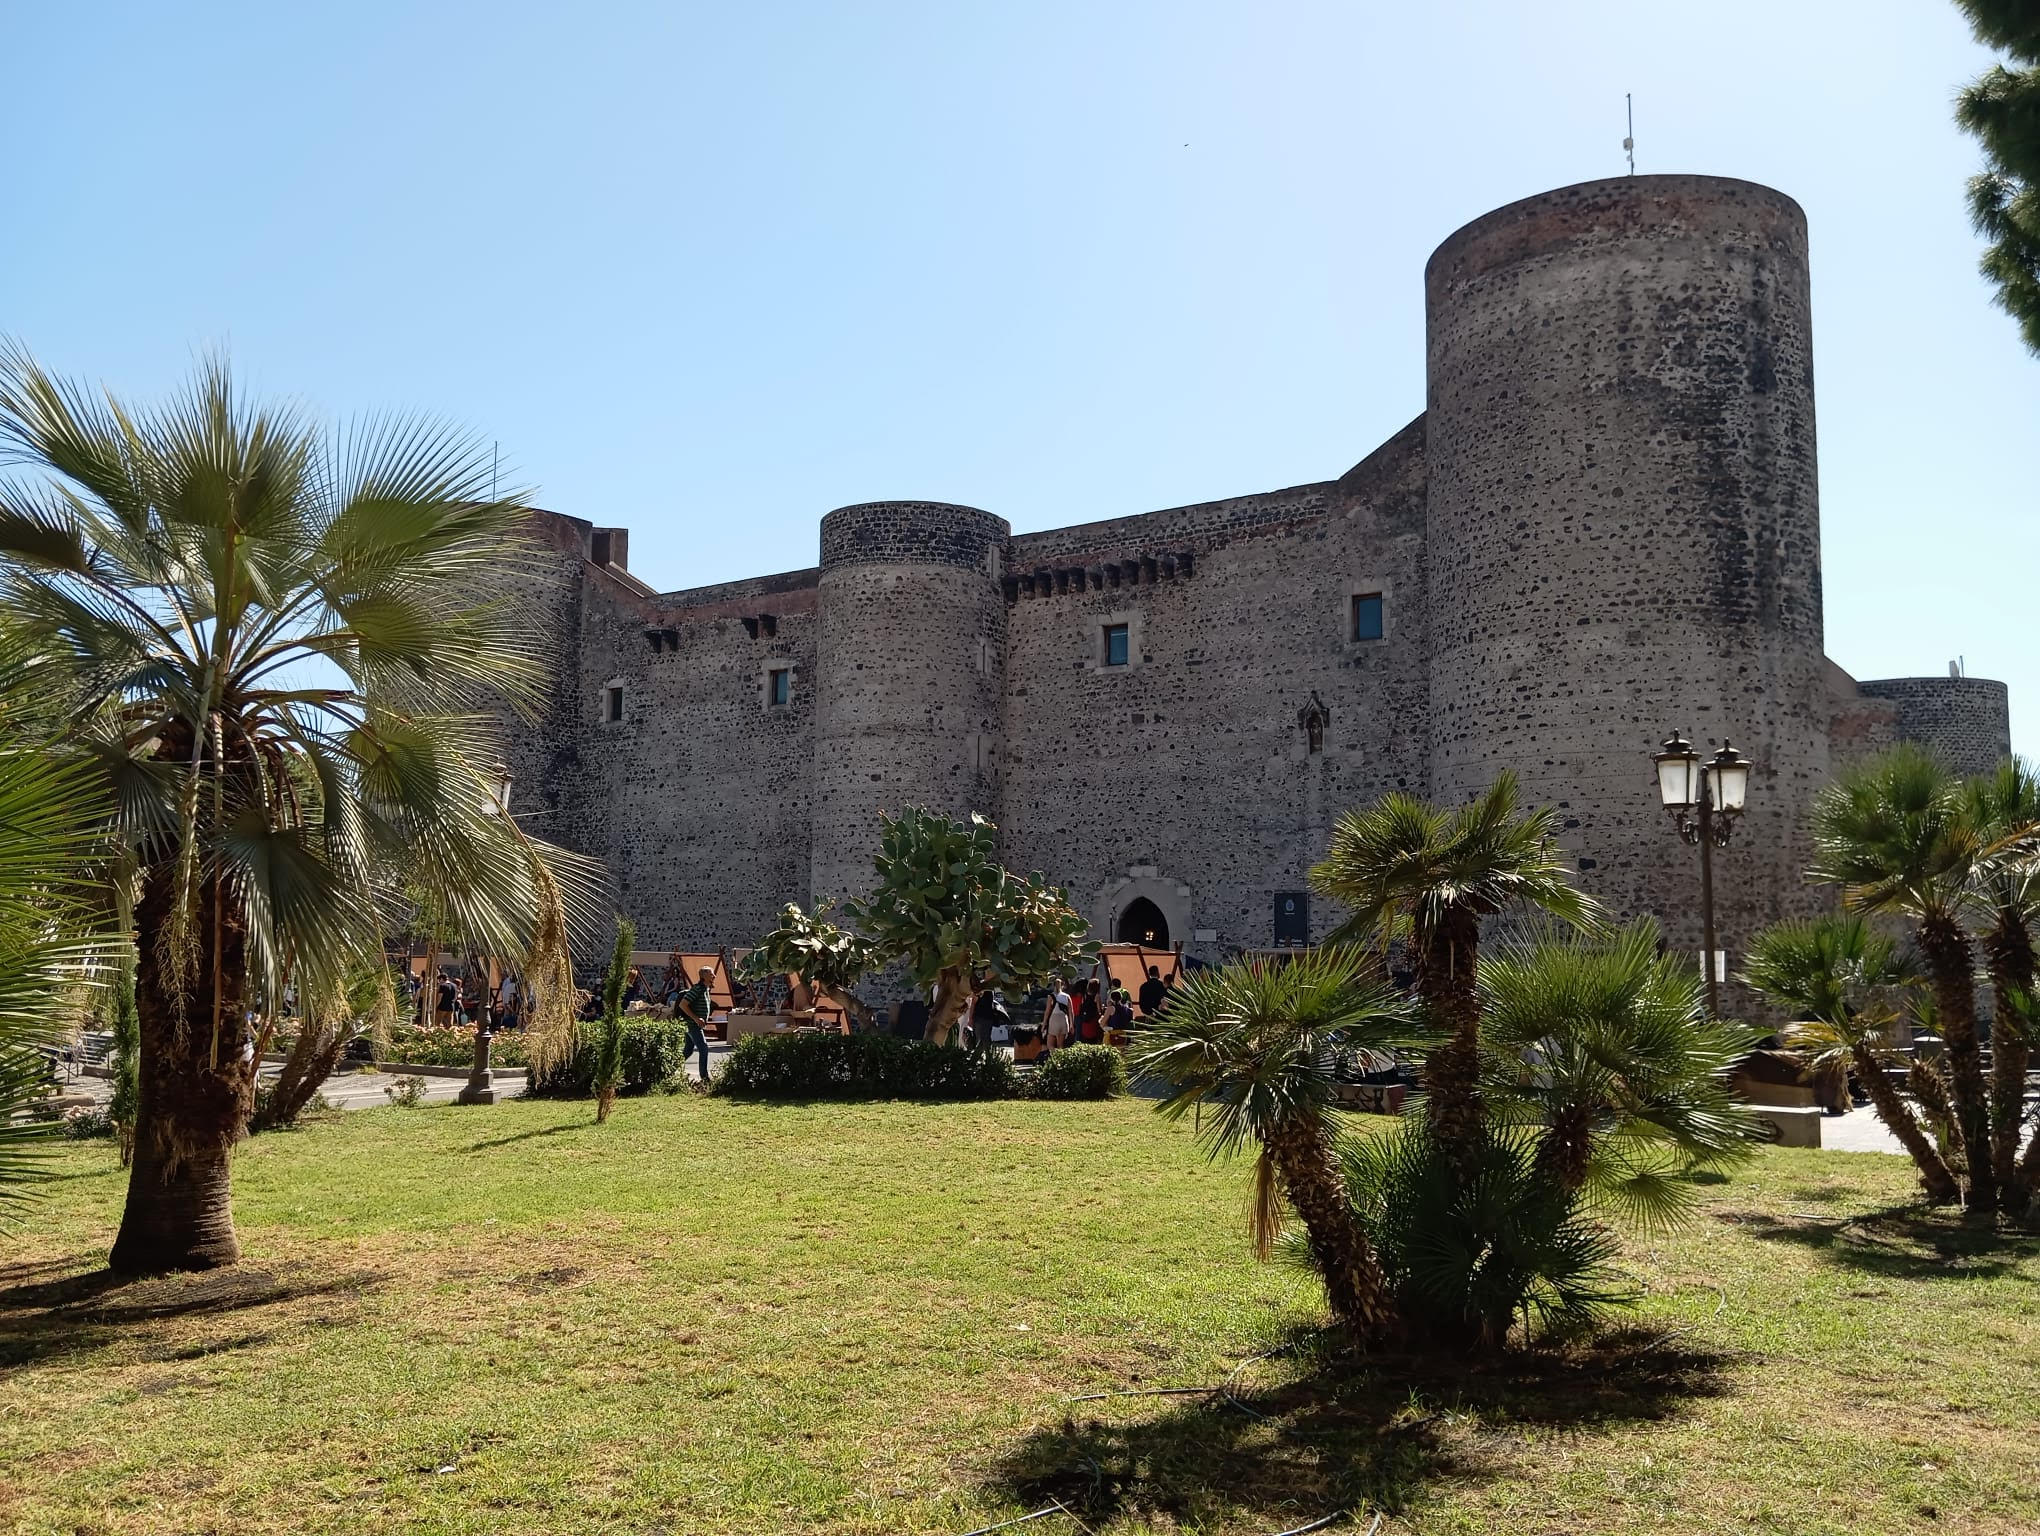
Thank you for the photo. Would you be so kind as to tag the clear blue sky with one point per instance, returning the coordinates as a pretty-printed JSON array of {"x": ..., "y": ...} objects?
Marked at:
[{"x": 709, "y": 270}]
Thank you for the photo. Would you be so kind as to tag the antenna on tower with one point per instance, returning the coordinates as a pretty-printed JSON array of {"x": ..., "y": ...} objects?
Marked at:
[{"x": 1629, "y": 142}]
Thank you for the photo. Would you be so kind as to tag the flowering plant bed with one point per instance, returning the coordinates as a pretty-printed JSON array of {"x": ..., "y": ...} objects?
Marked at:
[{"x": 453, "y": 1047}]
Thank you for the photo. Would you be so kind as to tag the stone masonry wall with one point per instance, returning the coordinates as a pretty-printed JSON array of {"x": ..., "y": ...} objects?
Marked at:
[
  {"x": 1624, "y": 526},
  {"x": 1966, "y": 719},
  {"x": 911, "y": 646},
  {"x": 699, "y": 798},
  {"x": 1186, "y": 777}
]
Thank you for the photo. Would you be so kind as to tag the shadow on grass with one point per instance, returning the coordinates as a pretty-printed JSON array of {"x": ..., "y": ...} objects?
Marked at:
[
  {"x": 532, "y": 1135},
  {"x": 58, "y": 1310},
  {"x": 1902, "y": 1242},
  {"x": 1351, "y": 1433}
]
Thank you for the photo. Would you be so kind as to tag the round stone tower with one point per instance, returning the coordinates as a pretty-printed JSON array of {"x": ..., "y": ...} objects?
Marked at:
[
  {"x": 912, "y": 641},
  {"x": 1625, "y": 527}
]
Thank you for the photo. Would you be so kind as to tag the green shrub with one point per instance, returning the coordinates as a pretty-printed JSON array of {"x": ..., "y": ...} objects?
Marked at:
[
  {"x": 1079, "y": 1072},
  {"x": 826, "y": 1066},
  {"x": 1468, "y": 1257},
  {"x": 653, "y": 1053}
]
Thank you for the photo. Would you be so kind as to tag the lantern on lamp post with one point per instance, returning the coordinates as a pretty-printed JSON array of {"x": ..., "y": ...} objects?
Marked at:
[{"x": 1704, "y": 798}]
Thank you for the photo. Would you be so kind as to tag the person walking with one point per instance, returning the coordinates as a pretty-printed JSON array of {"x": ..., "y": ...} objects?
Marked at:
[
  {"x": 1055, "y": 1023},
  {"x": 694, "y": 1008},
  {"x": 1153, "y": 993},
  {"x": 506, "y": 1001},
  {"x": 1090, "y": 1015},
  {"x": 987, "y": 1013}
]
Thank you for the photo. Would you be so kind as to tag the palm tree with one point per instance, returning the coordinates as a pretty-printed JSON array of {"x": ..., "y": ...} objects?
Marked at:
[
  {"x": 270, "y": 644},
  {"x": 1252, "y": 1046},
  {"x": 1896, "y": 835},
  {"x": 2004, "y": 806},
  {"x": 1434, "y": 874},
  {"x": 52, "y": 933},
  {"x": 1607, "y": 1045},
  {"x": 1840, "y": 980}
]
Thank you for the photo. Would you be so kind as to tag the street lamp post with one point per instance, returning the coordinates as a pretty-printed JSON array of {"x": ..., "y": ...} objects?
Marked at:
[
  {"x": 481, "y": 1083},
  {"x": 1704, "y": 799}
]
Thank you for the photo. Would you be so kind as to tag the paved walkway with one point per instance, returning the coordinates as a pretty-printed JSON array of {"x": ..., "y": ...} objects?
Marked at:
[
  {"x": 347, "y": 1089},
  {"x": 1858, "y": 1131}
]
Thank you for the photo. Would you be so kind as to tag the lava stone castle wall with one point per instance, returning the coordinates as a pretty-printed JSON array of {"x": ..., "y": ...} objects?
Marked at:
[
  {"x": 1625, "y": 524},
  {"x": 1187, "y": 776},
  {"x": 1968, "y": 719},
  {"x": 910, "y": 646},
  {"x": 1605, "y": 526}
]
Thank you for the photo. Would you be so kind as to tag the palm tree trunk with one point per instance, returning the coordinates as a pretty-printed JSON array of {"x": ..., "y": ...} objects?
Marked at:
[
  {"x": 1904, "y": 1124},
  {"x": 1567, "y": 1145},
  {"x": 1927, "y": 1087},
  {"x": 1945, "y": 948},
  {"x": 2009, "y": 948},
  {"x": 192, "y": 1108},
  {"x": 313, "y": 1056},
  {"x": 1345, "y": 1259},
  {"x": 1445, "y": 982}
]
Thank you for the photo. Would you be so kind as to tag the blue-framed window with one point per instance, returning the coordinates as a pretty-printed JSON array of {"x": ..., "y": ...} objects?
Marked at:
[
  {"x": 1115, "y": 645},
  {"x": 1367, "y": 616},
  {"x": 780, "y": 691}
]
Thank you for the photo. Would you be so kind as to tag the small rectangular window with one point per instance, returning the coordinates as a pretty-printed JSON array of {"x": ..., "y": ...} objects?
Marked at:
[
  {"x": 782, "y": 686},
  {"x": 1115, "y": 645},
  {"x": 1367, "y": 616},
  {"x": 613, "y": 703}
]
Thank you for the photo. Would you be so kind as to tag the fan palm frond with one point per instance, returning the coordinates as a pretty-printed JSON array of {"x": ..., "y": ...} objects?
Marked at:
[{"x": 1606, "y": 1043}]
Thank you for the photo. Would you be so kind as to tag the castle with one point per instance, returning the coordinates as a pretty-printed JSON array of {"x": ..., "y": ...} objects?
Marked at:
[{"x": 1604, "y": 526}]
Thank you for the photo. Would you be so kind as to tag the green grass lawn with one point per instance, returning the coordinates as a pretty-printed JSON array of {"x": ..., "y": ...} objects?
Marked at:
[{"x": 715, "y": 1317}]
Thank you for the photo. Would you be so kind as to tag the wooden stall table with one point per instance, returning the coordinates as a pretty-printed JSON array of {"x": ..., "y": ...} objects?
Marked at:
[{"x": 738, "y": 1025}]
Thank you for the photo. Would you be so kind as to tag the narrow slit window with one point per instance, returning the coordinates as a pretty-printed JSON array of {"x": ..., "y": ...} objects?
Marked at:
[
  {"x": 1367, "y": 616},
  {"x": 612, "y": 702},
  {"x": 1115, "y": 645},
  {"x": 781, "y": 689}
]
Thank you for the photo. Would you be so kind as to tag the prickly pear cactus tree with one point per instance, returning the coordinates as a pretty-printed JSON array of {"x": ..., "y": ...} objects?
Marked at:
[
  {"x": 830, "y": 959},
  {"x": 957, "y": 919}
]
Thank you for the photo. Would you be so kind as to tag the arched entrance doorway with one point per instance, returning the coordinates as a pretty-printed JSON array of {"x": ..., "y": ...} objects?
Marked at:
[{"x": 1142, "y": 923}]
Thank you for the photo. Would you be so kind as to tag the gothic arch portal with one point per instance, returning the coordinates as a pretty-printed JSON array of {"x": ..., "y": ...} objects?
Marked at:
[
  {"x": 1140, "y": 921},
  {"x": 1121, "y": 899}
]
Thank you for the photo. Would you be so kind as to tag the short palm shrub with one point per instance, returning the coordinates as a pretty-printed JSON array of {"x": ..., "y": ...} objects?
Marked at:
[
  {"x": 1470, "y": 1251},
  {"x": 827, "y": 1066},
  {"x": 1079, "y": 1072},
  {"x": 653, "y": 1051}
]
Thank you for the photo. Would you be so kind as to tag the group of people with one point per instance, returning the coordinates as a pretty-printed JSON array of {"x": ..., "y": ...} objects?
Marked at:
[
  {"x": 467, "y": 999},
  {"x": 1085, "y": 1013}
]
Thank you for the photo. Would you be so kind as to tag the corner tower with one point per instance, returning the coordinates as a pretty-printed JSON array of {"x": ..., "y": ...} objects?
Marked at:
[
  {"x": 912, "y": 642},
  {"x": 1624, "y": 525}
]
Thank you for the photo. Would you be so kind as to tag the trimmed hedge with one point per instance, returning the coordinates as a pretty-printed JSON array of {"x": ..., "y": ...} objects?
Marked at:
[
  {"x": 654, "y": 1051},
  {"x": 1079, "y": 1072},
  {"x": 825, "y": 1066}
]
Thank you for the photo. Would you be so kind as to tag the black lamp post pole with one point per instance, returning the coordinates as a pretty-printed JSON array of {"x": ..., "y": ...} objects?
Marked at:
[{"x": 1707, "y": 891}]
